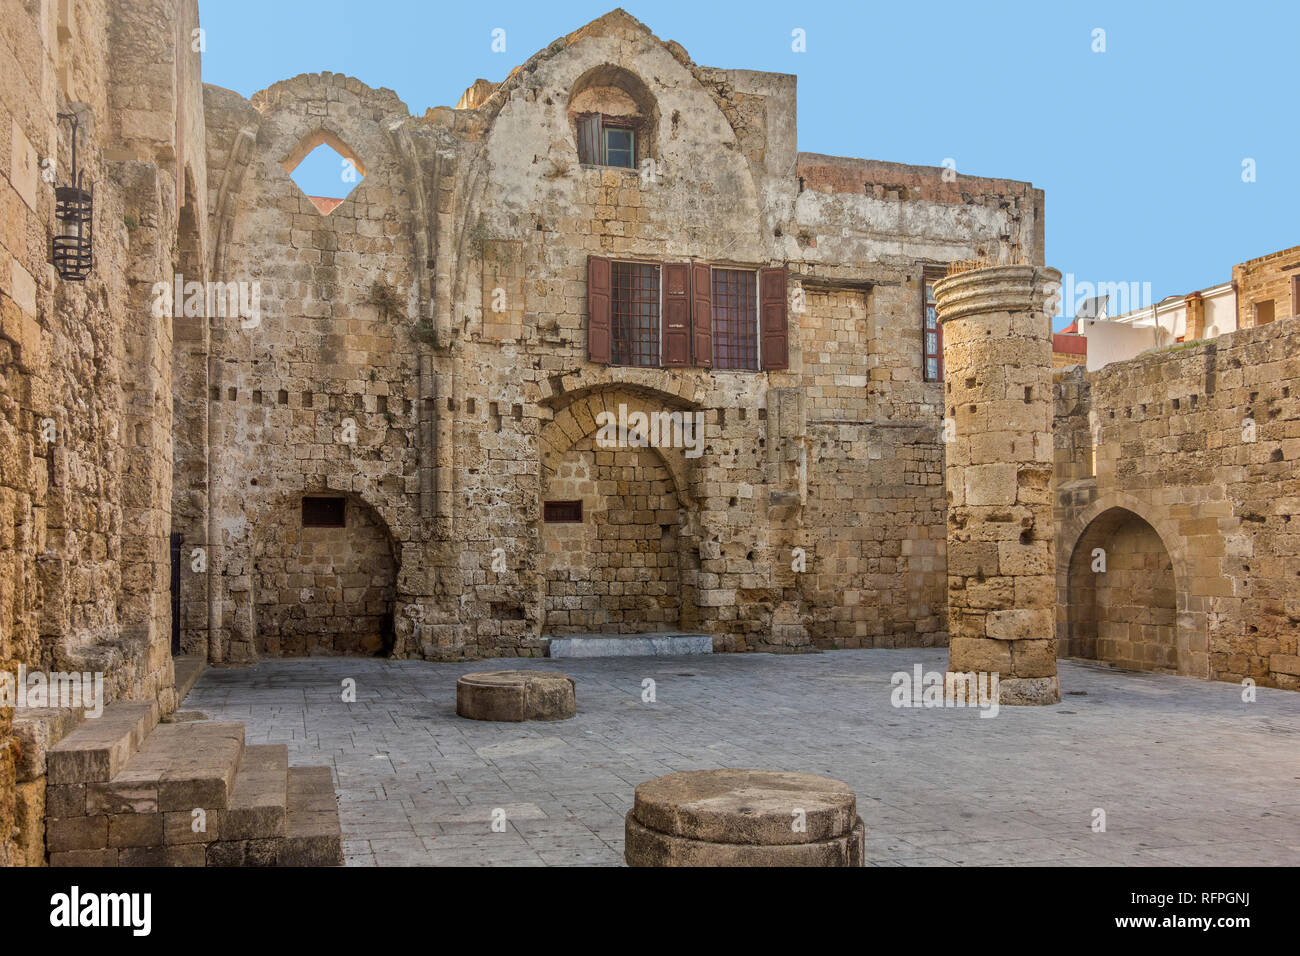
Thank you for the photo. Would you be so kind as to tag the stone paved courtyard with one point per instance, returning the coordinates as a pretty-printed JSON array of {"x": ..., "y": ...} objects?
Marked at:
[{"x": 1186, "y": 772}]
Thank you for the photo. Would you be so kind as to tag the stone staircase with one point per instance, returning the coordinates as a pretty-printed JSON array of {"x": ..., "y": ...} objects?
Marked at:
[{"x": 126, "y": 790}]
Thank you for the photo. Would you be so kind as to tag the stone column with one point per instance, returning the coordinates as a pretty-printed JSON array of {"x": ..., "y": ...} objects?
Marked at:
[{"x": 997, "y": 355}]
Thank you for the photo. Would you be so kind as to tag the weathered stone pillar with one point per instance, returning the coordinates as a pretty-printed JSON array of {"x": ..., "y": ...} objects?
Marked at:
[{"x": 997, "y": 354}]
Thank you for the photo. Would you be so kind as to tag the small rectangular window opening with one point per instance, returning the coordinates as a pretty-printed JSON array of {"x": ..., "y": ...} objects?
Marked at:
[
  {"x": 562, "y": 512},
  {"x": 323, "y": 512}
]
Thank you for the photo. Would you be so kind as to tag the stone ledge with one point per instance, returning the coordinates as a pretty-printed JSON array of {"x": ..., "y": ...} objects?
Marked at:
[{"x": 630, "y": 645}]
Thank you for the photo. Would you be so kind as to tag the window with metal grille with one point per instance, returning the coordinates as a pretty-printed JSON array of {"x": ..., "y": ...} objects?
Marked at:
[
  {"x": 323, "y": 512},
  {"x": 634, "y": 314},
  {"x": 735, "y": 319},
  {"x": 932, "y": 333},
  {"x": 562, "y": 512}
]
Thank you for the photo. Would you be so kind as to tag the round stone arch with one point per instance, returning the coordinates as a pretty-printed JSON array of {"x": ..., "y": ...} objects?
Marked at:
[
  {"x": 618, "y": 550},
  {"x": 1102, "y": 518},
  {"x": 616, "y": 94},
  {"x": 323, "y": 580},
  {"x": 581, "y": 419}
]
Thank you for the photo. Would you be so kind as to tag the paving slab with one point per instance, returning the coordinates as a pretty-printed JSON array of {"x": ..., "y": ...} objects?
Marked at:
[{"x": 1184, "y": 770}]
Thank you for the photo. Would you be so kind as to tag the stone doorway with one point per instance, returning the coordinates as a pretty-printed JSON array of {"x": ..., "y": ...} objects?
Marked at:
[
  {"x": 611, "y": 543},
  {"x": 1121, "y": 596},
  {"x": 324, "y": 579}
]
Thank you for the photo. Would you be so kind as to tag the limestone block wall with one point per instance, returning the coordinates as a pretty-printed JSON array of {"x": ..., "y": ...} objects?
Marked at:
[
  {"x": 1124, "y": 614},
  {"x": 764, "y": 485},
  {"x": 84, "y": 515},
  {"x": 877, "y": 540},
  {"x": 321, "y": 393},
  {"x": 837, "y": 358},
  {"x": 616, "y": 570},
  {"x": 481, "y": 220},
  {"x": 1198, "y": 443},
  {"x": 324, "y": 590},
  {"x": 1269, "y": 281}
]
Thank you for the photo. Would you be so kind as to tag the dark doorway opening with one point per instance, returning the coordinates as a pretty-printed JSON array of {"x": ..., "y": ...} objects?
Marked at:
[{"x": 176, "y": 541}]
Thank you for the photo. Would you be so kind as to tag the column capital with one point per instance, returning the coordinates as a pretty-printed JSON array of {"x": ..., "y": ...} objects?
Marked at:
[{"x": 994, "y": 289}]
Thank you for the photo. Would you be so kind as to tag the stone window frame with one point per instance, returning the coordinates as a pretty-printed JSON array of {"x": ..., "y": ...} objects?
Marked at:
[
  {"x": 309, "y": 143},
  {"x": 929, "y": 276},
  {"x": 637, "y": 110}
]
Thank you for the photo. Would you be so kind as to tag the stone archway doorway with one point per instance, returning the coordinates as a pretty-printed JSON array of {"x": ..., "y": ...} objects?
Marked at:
[
  {"x": 324, "y": 579},
  {"x": 1121, "y": 596},
  {"x": 612, "y": 553}
]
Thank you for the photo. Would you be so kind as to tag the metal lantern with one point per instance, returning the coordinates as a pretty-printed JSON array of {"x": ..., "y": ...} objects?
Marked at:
[{"x": 71, "y": 250}]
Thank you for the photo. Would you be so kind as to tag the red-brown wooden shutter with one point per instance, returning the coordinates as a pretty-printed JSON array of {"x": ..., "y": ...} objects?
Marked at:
[
  {"x": 598, "y": 308},
  {"x": 677, "y": 314},
  {"x": 702, "y": 313},
  {"x": 773, "y": 322}
]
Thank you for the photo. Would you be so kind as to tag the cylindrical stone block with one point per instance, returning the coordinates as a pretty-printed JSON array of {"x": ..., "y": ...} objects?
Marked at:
[
  {"x": 997, "y": 353},
  {"x": 515, "y": 696},
  {"x": 744, "y": 818}
]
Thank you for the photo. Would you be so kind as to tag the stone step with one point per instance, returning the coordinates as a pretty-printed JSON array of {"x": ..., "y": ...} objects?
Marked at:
[
  {"x": 259, "y": 802},
  {"x": 146, "y": 814},
  {"x": 101, "y": 746},
  {"x": 314, "y": 837},
  {"x": 188, "y": 670},
  {"x": 630, "y": 645},
  {"x": 180, "y": 767}
]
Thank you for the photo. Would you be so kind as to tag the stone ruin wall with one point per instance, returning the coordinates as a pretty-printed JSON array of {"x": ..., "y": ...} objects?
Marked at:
[
  {"x": 84, "y": 566},
  {"x": 320, "y": 394},
  {"x": 464, "y": 415},
  {"x": 1195, "y": 479},
  {"x": 838, "y": 455}
]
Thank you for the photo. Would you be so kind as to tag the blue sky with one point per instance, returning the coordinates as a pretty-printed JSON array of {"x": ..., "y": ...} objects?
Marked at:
[{"x": 1139, "y": 149}]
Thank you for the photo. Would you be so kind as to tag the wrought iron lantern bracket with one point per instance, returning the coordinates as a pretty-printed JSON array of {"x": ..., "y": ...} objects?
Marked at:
[{"x": 71, "y": 247}]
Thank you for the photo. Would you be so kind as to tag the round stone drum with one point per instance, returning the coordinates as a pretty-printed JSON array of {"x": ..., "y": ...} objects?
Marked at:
[
  {"x": 744, "y": 818},
  {"x": 515, "y": 695}
]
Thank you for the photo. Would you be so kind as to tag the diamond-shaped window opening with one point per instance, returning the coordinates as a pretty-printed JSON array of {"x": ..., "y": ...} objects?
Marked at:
[{"x": 325, "y": 168}]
